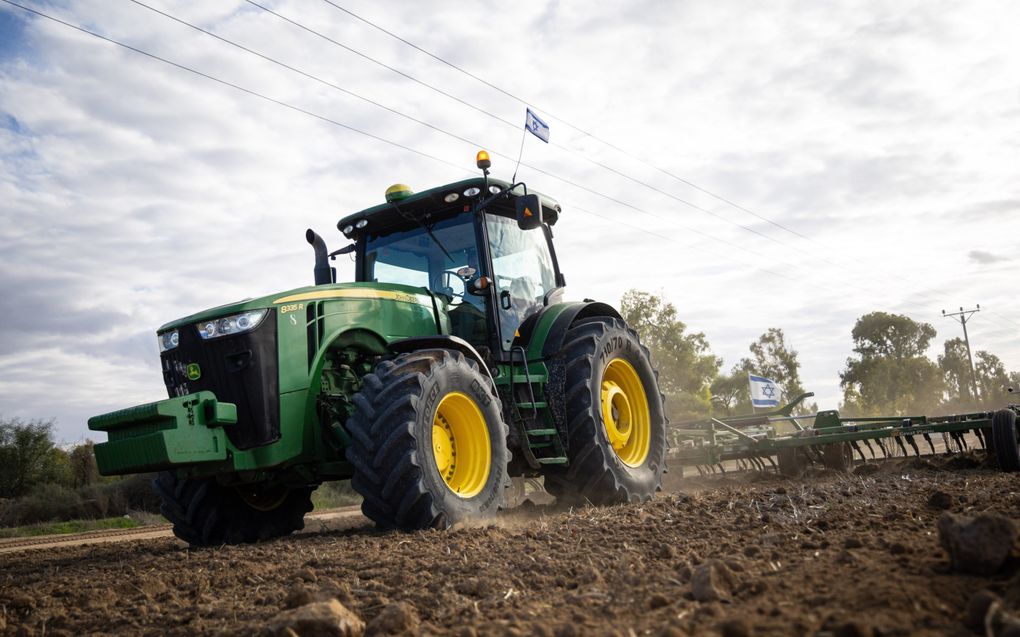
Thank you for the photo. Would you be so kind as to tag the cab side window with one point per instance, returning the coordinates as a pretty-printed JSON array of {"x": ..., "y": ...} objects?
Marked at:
[{"x": 523, "y": 273}]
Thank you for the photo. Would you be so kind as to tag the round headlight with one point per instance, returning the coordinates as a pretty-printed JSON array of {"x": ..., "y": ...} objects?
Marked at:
[
  {"x": 243, "y": 322},
  {"x": 348, "y": 229},
  {"x": 471, "y": 192},
  {"x": 175, "y": 339},
  {"x": 208, "y": 329},
  {"x": 452, "y": 197},
  {"x": 495, "y": 189},
  {"x": 361, "y": 223}
]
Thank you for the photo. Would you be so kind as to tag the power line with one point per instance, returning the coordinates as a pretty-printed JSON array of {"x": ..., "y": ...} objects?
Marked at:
[
  {"x": 525, "y": 102},
  {"x": 298, "y": 109},
  {"x": 568, "y": 150},
  {"x": 377, "y": 137},
  {"x": 383, "y": 64},
  {"x": 232, "y": 85},
  {"x": 454, "y": 135},
  {"x": 623, "y": 151},
  {"x": 502, "y": 120}
]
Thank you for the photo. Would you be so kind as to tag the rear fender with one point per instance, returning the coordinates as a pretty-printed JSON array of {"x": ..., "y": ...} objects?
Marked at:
[{"x": 543, "y": 334}]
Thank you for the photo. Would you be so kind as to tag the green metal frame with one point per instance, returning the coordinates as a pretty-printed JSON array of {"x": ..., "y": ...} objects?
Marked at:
[{"x": 710, "y": 442}]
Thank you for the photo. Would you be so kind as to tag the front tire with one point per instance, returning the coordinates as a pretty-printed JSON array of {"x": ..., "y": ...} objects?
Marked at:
[
  {"x": 1005, "y": 440},
  {"x": 428, "y": 442},
  {"x": 608, "y": 393},
  {"x": 207, "y": 513}
]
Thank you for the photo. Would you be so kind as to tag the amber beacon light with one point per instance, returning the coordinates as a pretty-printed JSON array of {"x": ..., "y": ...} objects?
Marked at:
[{"x": 482, "y": 160}]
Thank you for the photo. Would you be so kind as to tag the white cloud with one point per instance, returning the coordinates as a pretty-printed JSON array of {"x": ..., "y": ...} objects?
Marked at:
[{"x": 132, "y": 193}]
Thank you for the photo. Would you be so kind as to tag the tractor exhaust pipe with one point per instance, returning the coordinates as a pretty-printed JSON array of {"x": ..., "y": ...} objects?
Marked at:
[{"x": 324, "y": 275}]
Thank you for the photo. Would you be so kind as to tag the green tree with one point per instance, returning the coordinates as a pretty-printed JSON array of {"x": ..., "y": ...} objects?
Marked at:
[
  {"x": 27, "y": 456},
  {"x": 956, "y": 373},
  {"x": 773, "y": 359},
  {"x": 730, "y": 394},
  {"x": 685, "y": 362},
  {"x": 992, "y": 379},
  {"x": 82, "y": 459},
  {"x": 891, "y": 375}
]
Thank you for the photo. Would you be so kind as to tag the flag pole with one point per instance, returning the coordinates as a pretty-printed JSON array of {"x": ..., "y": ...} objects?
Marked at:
[
  {"x": 750, "y": 394},
  {"x": 520, "y": 153}
]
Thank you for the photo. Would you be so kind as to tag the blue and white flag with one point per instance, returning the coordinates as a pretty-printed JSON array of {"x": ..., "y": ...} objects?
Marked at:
[
  {"x": 537, "y": 127},
  {"x": 764, "y": 392}
]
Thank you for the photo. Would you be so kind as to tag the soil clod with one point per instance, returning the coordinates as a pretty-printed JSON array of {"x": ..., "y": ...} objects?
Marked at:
[{"x": 978, "y": 545}]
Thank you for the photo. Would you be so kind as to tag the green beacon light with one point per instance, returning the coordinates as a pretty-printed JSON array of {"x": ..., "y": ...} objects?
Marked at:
[{"x": 396, "y": 192}]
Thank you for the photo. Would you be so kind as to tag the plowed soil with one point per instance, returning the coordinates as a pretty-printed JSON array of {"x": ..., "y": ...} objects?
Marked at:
[{"x": 835, "y": 554}]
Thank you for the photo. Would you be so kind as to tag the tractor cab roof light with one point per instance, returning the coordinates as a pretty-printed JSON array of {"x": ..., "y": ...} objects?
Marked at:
[{"x": 482, "y": 160}]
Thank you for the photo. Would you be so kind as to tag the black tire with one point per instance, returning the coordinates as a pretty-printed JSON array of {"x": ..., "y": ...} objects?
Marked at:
[
  {"x": 206, "y": 513},
  {"x": 395, "y": 467},
  {"x": 792, "y": 462},
  {"x": 1004, "y": 438},
  {"x": 597, "y": 473},
  {"x": 837, "y": 456}
]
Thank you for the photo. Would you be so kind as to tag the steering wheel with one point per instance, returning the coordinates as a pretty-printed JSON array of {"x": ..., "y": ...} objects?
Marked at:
[{"x": 456, "y": 274}]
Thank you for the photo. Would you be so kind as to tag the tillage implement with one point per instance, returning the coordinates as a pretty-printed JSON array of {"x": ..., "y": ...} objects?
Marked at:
[
  {"x": 449, "y": 365},
  {"x": 792, "y": 443}
]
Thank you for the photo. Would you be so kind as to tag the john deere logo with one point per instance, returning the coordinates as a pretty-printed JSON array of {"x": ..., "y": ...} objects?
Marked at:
[{"x": 194, "y": 371}]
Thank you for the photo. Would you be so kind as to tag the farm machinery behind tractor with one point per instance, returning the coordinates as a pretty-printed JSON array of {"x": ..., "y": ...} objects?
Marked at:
[
  {"x": 449, "y": 365},
  {"x": 778, "y": 438}
]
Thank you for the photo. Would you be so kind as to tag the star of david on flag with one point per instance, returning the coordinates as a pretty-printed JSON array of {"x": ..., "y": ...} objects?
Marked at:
[
  {"x": 764, "y": 392},
  {"x": 536, "y": 126}
]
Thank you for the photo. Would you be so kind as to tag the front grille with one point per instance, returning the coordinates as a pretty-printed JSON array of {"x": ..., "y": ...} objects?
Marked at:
[{"x": 240, "y": 369}]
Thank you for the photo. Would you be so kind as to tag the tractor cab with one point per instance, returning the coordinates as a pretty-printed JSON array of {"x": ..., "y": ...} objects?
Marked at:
[{"x": 482, "y": 248}]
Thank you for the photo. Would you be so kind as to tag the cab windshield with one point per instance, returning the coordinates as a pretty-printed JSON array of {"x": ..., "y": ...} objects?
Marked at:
[{"x": 412, "y": 257}]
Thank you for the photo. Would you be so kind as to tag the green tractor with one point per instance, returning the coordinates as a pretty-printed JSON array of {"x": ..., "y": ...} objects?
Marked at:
[{"x": 449, "y": 365}]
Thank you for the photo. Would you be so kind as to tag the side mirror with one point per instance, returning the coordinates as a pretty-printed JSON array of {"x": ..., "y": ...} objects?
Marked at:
[{"x": 529, "y": 212}]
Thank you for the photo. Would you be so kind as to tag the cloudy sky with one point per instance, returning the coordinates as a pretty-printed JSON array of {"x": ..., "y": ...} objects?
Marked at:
[{"x": 784, "y": 164}]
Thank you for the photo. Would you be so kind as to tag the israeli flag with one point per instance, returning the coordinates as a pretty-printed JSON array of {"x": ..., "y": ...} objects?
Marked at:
[
  {"x": 764, "y": 392},
  {"x": 537, "y": 127}
]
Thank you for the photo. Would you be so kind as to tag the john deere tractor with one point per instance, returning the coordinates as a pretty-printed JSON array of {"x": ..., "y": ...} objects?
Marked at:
[{"x": 448, "y": 366}]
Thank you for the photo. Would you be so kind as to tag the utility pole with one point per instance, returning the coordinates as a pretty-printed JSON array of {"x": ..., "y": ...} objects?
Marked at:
[{"x": 962, "y": 317}]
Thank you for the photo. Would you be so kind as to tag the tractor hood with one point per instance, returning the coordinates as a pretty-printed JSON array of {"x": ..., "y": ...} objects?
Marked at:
[{"x": 360, "y": 291}]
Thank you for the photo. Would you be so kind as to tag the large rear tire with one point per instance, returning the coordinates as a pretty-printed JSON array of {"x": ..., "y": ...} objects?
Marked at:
[
  {"x": 1004, "y": 437},
  {"x": 207, "y": 513},
  {"x": 604, "y": 383},
  {"x": 428, "y": 442}
]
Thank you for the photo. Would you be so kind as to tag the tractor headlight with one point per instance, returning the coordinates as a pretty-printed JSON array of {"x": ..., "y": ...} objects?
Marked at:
[
  {"x": 168, "y": 340},
  {"x": 234, "y": 324}
]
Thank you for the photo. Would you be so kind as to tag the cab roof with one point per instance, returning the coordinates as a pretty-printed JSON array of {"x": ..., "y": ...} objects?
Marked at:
[{"x": 431, "y": 204}]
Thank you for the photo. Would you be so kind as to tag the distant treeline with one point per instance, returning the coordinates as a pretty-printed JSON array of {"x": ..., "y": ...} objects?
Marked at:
[
  {"x": 40, "y": 482},
  {"x": 886, "y": 374}
]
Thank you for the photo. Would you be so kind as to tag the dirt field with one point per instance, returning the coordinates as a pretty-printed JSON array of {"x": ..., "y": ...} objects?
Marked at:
[{"x": 842, "y": 555}]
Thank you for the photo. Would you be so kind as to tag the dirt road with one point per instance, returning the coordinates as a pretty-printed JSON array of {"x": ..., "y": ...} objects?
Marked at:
[
  {"x": 826, "y": 555},
  {"x": 314, "y": 523}
]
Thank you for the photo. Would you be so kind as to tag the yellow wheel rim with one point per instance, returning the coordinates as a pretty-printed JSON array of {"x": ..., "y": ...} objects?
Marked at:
[
  {"x": 460, "y": 445},
  {"x": 625, "y": 412}
]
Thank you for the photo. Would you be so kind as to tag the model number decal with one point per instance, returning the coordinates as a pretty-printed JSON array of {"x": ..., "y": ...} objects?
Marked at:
[{"x": 293, "y": 307}]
